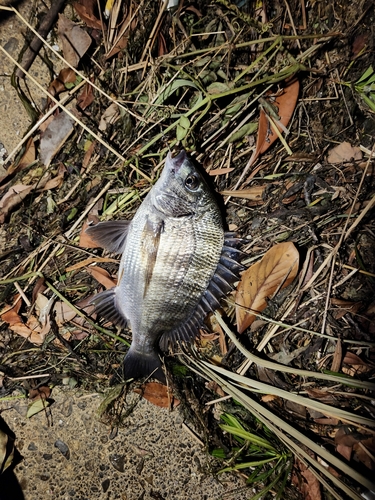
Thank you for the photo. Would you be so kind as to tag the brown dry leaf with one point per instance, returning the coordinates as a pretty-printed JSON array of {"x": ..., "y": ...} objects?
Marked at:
[
  {"x": 75, "y": 41},
  {"x": 30, "y": 331},
  {"x": 278, "y": 267},
  {"x": 158, "y": 395},
  {"x": 86, "y": 11},
  {"x": 344, "y": 152},
  {"x": 337, "y": 357},
  {"x": 254, "y": 193},
  {"x": 345, "y": 306},
  {"x": 57, "y": 86},
  {"x": 42, "y": 392},
  {"x": 27, "y": 158},
  {"x": 54, "y": 137},
  {"x": 357, "y": 365},
  {"x": 221, "y": 171},
  {"x": 364, "y": 451},
  {"x": 85, "y": 241},
  {"x": 110, "y": 115},
  {"x": 267, "y": 398},
  {"x": 102, "y": 276},
  {"x": 306, "y": 482},
  {"x": 85, "y": 97},
  {"x": 12, "y": 198},
  {"x": 285, "y": 104},
  {"x": 56, "y": 181}
]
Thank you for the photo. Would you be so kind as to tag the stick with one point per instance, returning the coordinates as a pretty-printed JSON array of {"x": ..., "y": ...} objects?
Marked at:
[{"x": 36, "y": 44}]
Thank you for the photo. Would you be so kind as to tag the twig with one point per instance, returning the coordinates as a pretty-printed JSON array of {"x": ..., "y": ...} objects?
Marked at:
[{"x": 36, "y": 43}]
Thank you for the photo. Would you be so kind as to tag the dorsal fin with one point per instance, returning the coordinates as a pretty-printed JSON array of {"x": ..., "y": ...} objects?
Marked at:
[
  {"x": 226, "y": 274},
  {"x": 110, "y": 235}
]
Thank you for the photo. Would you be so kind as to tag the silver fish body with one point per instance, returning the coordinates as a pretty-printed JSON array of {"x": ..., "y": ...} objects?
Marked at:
[{"x": 176, "y": 264}]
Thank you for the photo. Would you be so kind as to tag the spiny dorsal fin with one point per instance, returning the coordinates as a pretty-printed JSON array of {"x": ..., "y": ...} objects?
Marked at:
[{"x": 110, "y": 235}]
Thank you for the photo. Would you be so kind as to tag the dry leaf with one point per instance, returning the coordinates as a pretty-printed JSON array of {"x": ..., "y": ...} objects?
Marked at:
[
  {"x": 102, "y": 276},
  {"x": 75, "y": 41},
  {"x": 344, "y": 152},
  {"x": 85, "y": 97},
  {"x": 279, "y": 266},
  {"x": 158, "y": 395},
  {"x": 254, "y": 193},
  {"x": 54, "y": 137},
  {"x": 284, "y": 104},
  {"x": 31, "y": 330},
  {"x": 109, "y": 116},
  {"x": 12, "y": 198},
  {"x": 86, "y": 11},
  {"x": 66, "y": 75},
  {"x": 27, "y": 158},
  {"x": 85, "y": 240},
  {"x": 221, "y": 171}
]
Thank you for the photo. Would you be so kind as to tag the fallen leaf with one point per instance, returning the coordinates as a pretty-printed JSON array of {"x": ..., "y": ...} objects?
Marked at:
[
  {"x": 86, "y": 11},
  {"x": 102, "y": 276},
  {"x": 306, "y": 482},
  {"x": 12, "y": 198},
  {"x": 158, "y": 395},
  {"x": 56, "y": 181},
  {"x": 345, "y": 306},
  {"x": 36, "y": 407},
  {"x": 27, "y": 158},
  {"x": 85, "y": 97},
  {"x": 54, "y": 137},
  {"x": 85, "y": 240},
  {"x": 278, "y": 267},
  {"x": 75, "y": 41},
  {"x": 221, "y": 171},
  {"x": 284, "y": 105},
  {"x": 344, "y": 152},
  {"x": 337, "y": 357},
  {"x": 6, "y": 451},
  {"x": 364, "y": 452},
  {"x": 58, "y": 85},
  {"x": 42, "y": 392},
  {"x": 110, "y": 115},
  {"x": 254, "y": 193},
  {"x": 30, "y": 331}
]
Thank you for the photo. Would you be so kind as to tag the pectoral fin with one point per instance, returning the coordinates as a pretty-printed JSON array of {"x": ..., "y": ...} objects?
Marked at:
[
  {"x": 106, "y": 305},
  {"x": 150, "y": 246},
  {"x": 110, "y": 235}
]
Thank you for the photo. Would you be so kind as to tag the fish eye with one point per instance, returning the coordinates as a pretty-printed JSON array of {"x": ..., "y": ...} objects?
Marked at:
[{"x": 192, "y": 182}]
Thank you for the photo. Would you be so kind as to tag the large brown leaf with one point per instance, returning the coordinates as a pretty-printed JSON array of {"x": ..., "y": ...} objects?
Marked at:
[{"x": 278, "y": 268}]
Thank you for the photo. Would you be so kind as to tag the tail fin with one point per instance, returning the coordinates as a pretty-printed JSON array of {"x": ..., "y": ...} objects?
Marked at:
[{"x": 139, "y": 364}]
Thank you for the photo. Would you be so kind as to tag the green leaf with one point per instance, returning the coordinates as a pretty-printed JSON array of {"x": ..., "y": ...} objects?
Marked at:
[
  {"x": 247, "y": 129},
  {"x": 365, "y": 75},
  {"x": 36, "y": 407},
  {"x": 182, "y": 128},
  {"x": 172, "y": 87},
  {"x": 217, "y": 88}
]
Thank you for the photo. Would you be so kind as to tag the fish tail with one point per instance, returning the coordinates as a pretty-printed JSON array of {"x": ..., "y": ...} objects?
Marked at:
[{"x": 139, "y": 364}]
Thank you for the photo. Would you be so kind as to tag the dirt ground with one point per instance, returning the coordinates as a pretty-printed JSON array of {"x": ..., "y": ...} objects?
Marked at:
[{"x": 219, "y": 93}]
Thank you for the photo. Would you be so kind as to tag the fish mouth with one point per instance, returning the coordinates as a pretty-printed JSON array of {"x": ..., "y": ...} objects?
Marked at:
[{"x": 176, "y": 162}]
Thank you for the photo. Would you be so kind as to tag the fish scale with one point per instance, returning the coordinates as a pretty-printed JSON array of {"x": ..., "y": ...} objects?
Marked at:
[{"x": 177, "y": 263}]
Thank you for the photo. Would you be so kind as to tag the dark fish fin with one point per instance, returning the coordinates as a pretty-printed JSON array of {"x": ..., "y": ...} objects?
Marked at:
[
  {"x": 138, "y": 364},
  {"x": 226, "y": 274},
  {"x": 105, "y": 305},
  {"x": 110, "y": 235},
  {"x": 184, "y": 333}
]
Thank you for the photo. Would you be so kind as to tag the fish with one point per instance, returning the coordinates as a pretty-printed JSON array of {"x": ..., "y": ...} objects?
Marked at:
[{"x": 177, "y": 263}]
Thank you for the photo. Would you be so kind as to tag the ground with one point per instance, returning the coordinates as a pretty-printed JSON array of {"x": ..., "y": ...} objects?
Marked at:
[{"x": 284, "y": 128}]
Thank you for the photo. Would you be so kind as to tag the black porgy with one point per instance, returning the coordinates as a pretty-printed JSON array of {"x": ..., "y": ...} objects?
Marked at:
[{"x": 177, "y": 262}]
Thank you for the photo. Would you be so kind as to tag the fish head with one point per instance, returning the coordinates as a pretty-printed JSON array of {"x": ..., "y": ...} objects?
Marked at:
[{"x": 181, "y": 190}]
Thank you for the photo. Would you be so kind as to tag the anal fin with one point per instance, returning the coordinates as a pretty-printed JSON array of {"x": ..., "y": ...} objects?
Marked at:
[{"x": 105, "y": 305}]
